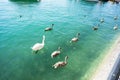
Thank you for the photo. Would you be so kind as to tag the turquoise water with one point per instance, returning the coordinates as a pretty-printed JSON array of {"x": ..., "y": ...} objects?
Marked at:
[{"x": 18, "y": 35}]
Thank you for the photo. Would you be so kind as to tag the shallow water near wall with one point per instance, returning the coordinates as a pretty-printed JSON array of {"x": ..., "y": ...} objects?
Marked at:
[{"x": 19, "y": 34}]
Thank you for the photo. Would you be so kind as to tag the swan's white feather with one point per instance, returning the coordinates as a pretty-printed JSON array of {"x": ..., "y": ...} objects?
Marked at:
[
  {"x": 37, "y": 46},
  {"x": 54, "y": 53}
]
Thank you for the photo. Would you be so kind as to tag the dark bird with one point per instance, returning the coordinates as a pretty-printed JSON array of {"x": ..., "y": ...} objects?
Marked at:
[{"x": 49, "y": 28}]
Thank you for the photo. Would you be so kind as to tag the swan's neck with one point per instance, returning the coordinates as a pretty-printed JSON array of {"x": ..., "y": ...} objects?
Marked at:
[
  {"x": 59, "y": 48},
  {"x": 52, "y": 25},
  {"x": 77, "y": 35},
  {"x": 66, "y": 59},
  {"x": 43, "y": 41}
]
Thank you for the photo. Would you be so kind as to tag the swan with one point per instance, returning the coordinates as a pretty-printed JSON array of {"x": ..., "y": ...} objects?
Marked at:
[
  {"x": 102, "y": 20},
  {"x": 75, "y": 39},
  {"x": 115, "y": 27},
  {"x": 116, "y": 17},
  {"x": 49, "y": 28},
  {"x": 38, "y": 46},
  {"x": 60, "y": 63},
  {"x": 55, "y": 53}
]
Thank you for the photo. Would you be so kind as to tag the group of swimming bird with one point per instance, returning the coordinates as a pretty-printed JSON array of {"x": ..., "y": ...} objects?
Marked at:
[
  {"x": 102, "y": 20},
  {"x": 38, "y": 46}
]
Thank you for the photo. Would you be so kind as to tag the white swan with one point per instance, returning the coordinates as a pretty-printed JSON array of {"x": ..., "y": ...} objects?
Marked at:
[
  {"x": 39, "y": 46},
  {"x": 49, "y": 28},
  {"x": 102, "y": 20},
  {"x": 75, "y": 39},
  {"x": 115, "y": 27},
  {"x": 60, "y": 63},
  {"x": 55, "y": 53}
]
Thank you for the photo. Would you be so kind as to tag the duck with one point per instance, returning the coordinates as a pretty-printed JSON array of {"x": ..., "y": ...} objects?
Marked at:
[
  {"x": 38, "y": 46},
  {"x": 75, "y": 39},
  {"x": 95, "y": 27},
  {"x": 102, "y": 20},
  {"x": 56, "y": 53},
  {"x": 115, "y": 27},
  {"x": 49, "y": 28},
  {"x": 116, "y": 17},
  {"x": 60, "y": 63}
]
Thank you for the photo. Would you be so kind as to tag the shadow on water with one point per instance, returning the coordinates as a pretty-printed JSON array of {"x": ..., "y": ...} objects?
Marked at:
[
  {"x": 85, "y": 1},
  {"x": 91, "y": 1},
  {"x": 26, "y": 1}
]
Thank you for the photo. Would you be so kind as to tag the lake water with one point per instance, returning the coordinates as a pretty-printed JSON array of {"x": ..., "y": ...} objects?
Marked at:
[{"x": 18, "y": 35}]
